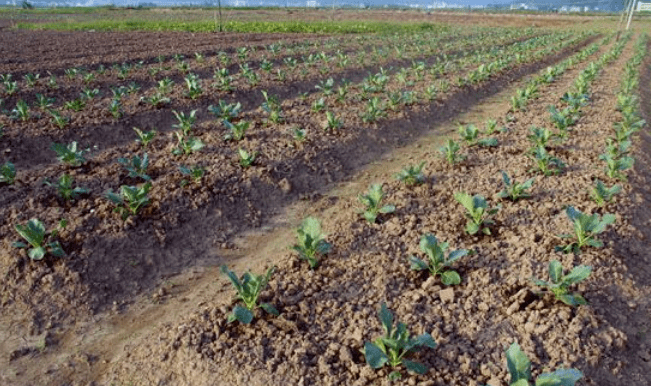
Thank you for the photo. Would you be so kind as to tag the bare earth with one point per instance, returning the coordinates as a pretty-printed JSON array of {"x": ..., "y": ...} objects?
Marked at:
[{"x": 142, "y": 302}]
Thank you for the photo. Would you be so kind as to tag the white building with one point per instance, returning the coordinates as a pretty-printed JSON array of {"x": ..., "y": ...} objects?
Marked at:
[
  {"x": 565, "y": 8},
  {"x": 530, "y": 7},
  {"x": 643, "y": 7}
]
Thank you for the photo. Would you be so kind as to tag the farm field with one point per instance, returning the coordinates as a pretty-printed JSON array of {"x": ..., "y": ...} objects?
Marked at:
[{"x": 142, "y": 170}]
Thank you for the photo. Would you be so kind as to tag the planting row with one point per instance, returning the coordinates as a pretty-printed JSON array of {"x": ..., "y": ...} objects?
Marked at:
[
  {"x": 132, "y": 99},
  {"x": 136, "y": 166}
]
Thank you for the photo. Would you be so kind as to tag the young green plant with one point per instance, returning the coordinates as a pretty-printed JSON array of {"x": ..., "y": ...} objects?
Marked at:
[
  {"x": 248, "y": 291},
  {"x": 195, "y": 173},
  {"x": 520, "y": 370},
  {"x": 514, "y": 190},
  {"x": 236, "y": 131},
  {"x": 586, "y": 228},
  {"x": 69, "y": 154},
  {"x": 38, "y": 239},
  {"x": 615, "y": 167},
  {"x": 246, "y": 159},
  {"x": 478, "y": 213},
  {"x": 451, "y": 152},
  {"x": 311, "y": 242},
  {"x": 412, "y": 174},
  {"x": 136, "y": 166},
  {"x": 559, "y": 284},
  {"x": 601, "y": 194},
  {"x": 436, "y": 261},
  {"x": 372, "y": 202},
  {"x": 144, "y": 137},
  {"x": 545, "y": 163},
  {"x": 187, "y": 144},
  {"x": 130, "y": 199},
  {"x": 470, "y": 134},
  {"x": 7, "y": 173},
  {"x": 395, "y": 345},
  {"x": 64, "y": 188}
]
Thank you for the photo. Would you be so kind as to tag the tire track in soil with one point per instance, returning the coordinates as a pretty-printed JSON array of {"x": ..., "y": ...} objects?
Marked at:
[{"x": 192, "y": 282}]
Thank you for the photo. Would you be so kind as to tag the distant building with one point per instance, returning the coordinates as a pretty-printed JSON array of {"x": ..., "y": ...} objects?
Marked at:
[
  {"x": 643, "y": 7},
  {"x": 311, "y": 4},
  {"x": 565, "y": 8},
  {"x": 525, "y": 6}
]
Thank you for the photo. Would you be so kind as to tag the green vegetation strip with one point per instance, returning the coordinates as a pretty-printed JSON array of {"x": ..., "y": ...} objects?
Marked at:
[{"x": 340, "y": 27}]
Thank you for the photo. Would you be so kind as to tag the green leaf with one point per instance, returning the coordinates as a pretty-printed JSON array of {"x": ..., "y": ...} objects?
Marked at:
[
  {"x": 472, "y": 228},
  {"x": 323, "y": 247},
  {"x": 518, "y": 363},
  {"x": 242, "y": 314},
  {"x": 418, "y": 264},
  {"x": 56, "y": 250},
  {"x": 521, "y": 382},
  {"x": 572, "y": 299},
  {"x": 425, "y": 340},
  {"x": 555, "y": 271},
  {"x": 36, "y": 253},
  {"x": 450, "y": 278},
  {"x": 456, "y": 255},
  {"x": 388, "y": 209},
  {"x": 374, "y": 356},
  {"x": 541, "y": 283},
  {"x": 33, "y": 232},
  {"x": 386, "y": 318},
  {"x": 506, "y": 179},
  {"x": 233, "y": 278},
  {"x": 270, "y": 309},
  {"x": 560, "y": 377},
  {"x": 465, "y": 200},
  {"x": 414, "y": 367},
  {"x": 578, "y": 274},
  {"x": 572, "y": 213},
  {"x": 114, "y": 198},
  {"x": 488, "y": 142},
  {"x": 594, "y": 243},
  {"x": 528, "y": 183},
  {"x": 370, "y": 216},
  {"x": 19, "y": 244}
]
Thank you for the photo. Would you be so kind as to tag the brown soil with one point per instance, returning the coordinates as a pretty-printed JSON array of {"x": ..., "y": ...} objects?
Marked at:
[
  {"x": 42, "y": 51},
  {"x": 327, "y": 314},
  {"x": 325, "y": 317},
  {"x": 228, "y": 201}
]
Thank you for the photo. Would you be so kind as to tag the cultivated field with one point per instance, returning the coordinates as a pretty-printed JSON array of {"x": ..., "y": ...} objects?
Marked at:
[{"x": 481, "y": 178}]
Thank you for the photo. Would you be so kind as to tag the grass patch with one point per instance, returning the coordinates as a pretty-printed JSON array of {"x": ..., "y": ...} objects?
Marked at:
[{"x": 317, "y": 27}]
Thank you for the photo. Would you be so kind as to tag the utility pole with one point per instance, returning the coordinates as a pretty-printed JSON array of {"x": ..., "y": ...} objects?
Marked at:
[
  {"x": 221, "y": 26},
  {"x": 630, "y": 15},
  {"x": 621, "y": 19}
]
